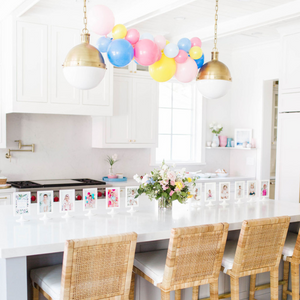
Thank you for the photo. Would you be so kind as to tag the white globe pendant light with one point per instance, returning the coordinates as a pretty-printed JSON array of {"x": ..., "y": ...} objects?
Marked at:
[
  {"x": 214, "y": 79},
  {"x": 84, "y": 66}
]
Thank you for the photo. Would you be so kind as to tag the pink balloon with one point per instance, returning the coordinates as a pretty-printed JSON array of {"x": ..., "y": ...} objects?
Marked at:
[
  {"x": 132, "y": 36},
  {"x": 160, "y": 41},
  {"x": 186, "y": 72},
  {"x": 196, "y": 42},
  {"x": 181, "y": 57},
  {"x": 159, "y": 55},
  {"x": 145, "y": 52},
  {"x": 101, "y": 19}
]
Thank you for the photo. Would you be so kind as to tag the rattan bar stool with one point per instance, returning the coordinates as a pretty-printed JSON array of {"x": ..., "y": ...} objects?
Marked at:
[
  {"x": 193, "y": 258},
  {"x": 258, "y": 250},
  {"x": 93, "y": 268}
]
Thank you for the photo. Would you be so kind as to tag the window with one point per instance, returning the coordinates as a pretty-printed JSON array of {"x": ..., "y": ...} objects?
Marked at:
[{"x": 179, "y": 125}]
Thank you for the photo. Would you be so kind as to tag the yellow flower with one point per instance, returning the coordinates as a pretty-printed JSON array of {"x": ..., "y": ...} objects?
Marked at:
[
  {"x": 188, "y": 193},
  {"x": 189, "y": 179},
  {"x": 190, "y": 196},
  {"x": 178, "y": 185}
]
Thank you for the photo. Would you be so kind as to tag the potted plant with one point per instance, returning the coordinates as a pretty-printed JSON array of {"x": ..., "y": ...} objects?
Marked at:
[
  {"x": 111, "y": 160},
  {"x": 216, "y": 129}
]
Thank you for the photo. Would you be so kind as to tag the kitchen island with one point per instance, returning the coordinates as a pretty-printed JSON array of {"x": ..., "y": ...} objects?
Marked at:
[{"x": 37, "y": 243}]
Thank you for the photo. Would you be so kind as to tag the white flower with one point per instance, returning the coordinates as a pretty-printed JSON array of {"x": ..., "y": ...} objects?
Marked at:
[
  {"x": 174, "y": 165},
  {"x": 219, "y": 126},
  {"x": 164, "y": 167},
  {"x": 114, "y": 157},
  {"x": 145, "y": 179},
  {"x": 137, "y": 178},
  {"x": 211, "y": 125}
]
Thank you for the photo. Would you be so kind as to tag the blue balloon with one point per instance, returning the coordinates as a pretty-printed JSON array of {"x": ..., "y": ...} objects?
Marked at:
[
  {"x": 120, "y": 53},
  {"x": 184, "y": 44},
  {"x": 147, "y": 36},
  {"x": 103, "y": 43},
  {"x": 171, "y": 50},
  {"x": 200, "y": 61}
]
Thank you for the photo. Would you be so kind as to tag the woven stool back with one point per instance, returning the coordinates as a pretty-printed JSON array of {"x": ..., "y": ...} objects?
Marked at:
[
  {"x": 194, "y": 256},
  {"x": 260, "y": 245},
  {"x": 98, "y": 268}
]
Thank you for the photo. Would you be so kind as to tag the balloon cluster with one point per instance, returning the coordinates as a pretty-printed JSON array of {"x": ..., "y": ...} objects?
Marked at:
[{"x": 164, "y": 59}]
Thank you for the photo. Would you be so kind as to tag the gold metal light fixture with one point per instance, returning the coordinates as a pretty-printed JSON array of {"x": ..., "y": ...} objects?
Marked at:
[
  {"x": 84, "y": 66},
  {"x": 214, "y": 79}
]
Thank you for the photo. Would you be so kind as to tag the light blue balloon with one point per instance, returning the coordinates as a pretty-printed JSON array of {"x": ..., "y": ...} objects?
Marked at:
[
  {"x": 120, "y": 53},
  {"x": 103, "y": 43},
  {"x": 147, "y": 36},
  {"x": 171, "y": 50},
  {"x": 184, "y": 44},
  {"x": 200, "y": 61}
]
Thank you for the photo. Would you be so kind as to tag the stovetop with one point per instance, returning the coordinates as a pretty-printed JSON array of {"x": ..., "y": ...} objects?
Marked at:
[{"x": 55, "y": 183}]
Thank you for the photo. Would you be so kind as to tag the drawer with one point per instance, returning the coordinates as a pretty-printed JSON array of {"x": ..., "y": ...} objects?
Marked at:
[{"x": 5, "y": 199}]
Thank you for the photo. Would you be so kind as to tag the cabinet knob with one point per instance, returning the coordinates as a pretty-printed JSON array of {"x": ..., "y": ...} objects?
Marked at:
[
  {"x": 130, "y": 141},
  {"x": 134, "y": 141},
  {"x": 3, "y": 198}
]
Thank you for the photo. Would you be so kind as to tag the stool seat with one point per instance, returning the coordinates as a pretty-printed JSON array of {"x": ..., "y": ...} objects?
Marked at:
[
  {"x": 289, "y": 246},
  {"x": 228, "y": 257},
  {"x": 152, "y": 264},
  {"x": 49, "y": 279}
]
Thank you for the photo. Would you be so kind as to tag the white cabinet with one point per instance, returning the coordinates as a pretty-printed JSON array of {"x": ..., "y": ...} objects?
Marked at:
[
  {"x": 5, "y": 199},
  {"x": 40, "y": 84},
  {"x": 135, "y": 115}
]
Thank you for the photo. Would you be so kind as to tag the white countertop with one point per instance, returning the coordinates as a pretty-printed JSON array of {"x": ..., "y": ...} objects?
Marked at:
[{"x": 38, "y": 237}]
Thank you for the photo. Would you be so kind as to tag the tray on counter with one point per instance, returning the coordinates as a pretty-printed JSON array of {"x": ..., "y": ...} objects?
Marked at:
[{"x": 114, "y": 179}]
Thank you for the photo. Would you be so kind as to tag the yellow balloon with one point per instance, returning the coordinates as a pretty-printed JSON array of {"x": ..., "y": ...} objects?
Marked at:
[
  {"x": 167, "y": 42},
  {"x": 119, "y": 32},
  {"x": 164, "y": 69},
  {"x": 195, "y": 52}
]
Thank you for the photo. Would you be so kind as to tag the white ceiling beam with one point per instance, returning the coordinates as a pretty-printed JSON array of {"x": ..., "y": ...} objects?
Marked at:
[
  {"x": 146, "y": 10},
  {"x": 263, "y": 18},
  {"x": 15, "y": 7}
]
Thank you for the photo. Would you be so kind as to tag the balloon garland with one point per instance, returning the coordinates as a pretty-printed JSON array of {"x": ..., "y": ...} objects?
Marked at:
[{"x": 164, "y": 59}]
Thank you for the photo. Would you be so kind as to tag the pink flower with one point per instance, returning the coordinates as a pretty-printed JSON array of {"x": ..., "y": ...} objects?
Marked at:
[
  {"x": 165, "y": 187},
  {"x": 173, "y": 182},
  {"x": 171, "y": 175},
  {"x": 177, "y": 189},
  {"x": 171, "y": 193}
]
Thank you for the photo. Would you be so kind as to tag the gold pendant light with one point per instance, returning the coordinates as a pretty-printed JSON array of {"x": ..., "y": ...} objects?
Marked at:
[
  {"x": 84, "y": 66},
  {"x": 214, "y": 79}
]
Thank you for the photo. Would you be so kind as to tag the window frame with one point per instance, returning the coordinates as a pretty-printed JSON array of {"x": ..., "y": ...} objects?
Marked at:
[{"x": 198, "y": 130}]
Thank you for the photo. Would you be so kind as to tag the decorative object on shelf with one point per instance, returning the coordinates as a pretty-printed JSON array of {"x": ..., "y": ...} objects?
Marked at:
[
  {"x": 223, "y": 140},
  {"x": 120, "y": 175},
  {"x": 89, "y": 200},
  {"x": 221, "y": 173},
  {"x": 216, "y": 129},
  {"x": 207, "y": 175},
  {"x": 112, "y": 160},
  {"x": 245, "y": 144},
  {"x": 251, "y": 190},
  {"x": 112, "y": 199},
  {"x": 20, "y": 145},
  {"x": 84, "y": 67},
  {"x": 21, "y": 205},
  {"x": 210, "y": 193},
  {"x": 114, "y": 179},
  {"x": 242, "y": 136},
  {"x": 45, "y": 204},
  {"x": 214, "y": 78},
  {"x": 214, "y": 144},
  {"x": 130, "y": 199},
  {"x": 166, "y": 186},
  {"x": 67, "y": 202},
  {"x": 208, "y": 144},
  {"x": 264, "y": 189},
  {"x": 229, "y": 140},
  {"x": 249, "y": 146},
  {"x": 239, "y": 191},
  {"x": 253, "y": 143},
  {"x": 224, "y": 193},
  {"x": 232, "y": 143}
]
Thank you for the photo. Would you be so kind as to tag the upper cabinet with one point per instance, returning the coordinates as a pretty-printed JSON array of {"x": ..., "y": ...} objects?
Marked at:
[
  {"x": 135, "y": 115},
  {"x": 40, "y": 86}
]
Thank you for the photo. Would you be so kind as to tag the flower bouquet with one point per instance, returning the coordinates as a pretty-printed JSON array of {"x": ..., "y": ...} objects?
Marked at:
[{"x": 166, "y": 185}]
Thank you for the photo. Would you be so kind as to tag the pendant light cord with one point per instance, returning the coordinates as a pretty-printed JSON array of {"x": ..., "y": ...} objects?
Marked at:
[
  {"x": 216, "y": 26},
  {"x": 85, "y": 30}
]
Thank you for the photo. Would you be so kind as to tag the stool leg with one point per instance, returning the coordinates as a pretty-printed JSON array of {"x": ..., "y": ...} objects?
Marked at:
[
  {"x": 274, "y": 284},
  {"x": 252, "y": 286},
  {"x": 195, "y": 293},
  {"x": 286, "y": 266},
  {"x": 295, "y": 281},
  {"x": 131, "y": 293},
  {"x": 214, "y": 291},
  {"x": 235, "y": 293},
  {"x": 35, "y": 294},
  {"x": 165, "y": 295},
  {"x": 178, "y": 295}
]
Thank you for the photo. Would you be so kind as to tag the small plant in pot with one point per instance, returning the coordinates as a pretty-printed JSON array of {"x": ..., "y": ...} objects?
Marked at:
[
  {"x": 216, "y": 129},
  {"x": 112, "y": 160}
]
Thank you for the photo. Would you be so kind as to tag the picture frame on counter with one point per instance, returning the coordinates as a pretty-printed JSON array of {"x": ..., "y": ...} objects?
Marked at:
[
  {"x": 210, "y": 193},
  {"x": 251, "y": 189},
  {"x": 224, "y": 192},
  {"x": 21, "y": 205},
  {"x": 67, "y": 202},
  {"x": 112, "y": 199},
  {"x": 239, "y": 191},
  {"x": 264, "y": 189},
  {"x": 196, "y": 199},
  {"x": 89, "y": 200},
  {"x": 241, "y": 136},
  {"x": 130, "y": 199},
  {"x": 45, "y": 204}
]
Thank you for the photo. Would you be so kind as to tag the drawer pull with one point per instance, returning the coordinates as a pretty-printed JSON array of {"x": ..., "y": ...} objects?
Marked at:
[{"x": 3, "y": 198}]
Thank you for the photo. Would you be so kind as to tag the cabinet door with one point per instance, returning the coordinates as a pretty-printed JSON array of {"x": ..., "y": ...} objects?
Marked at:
[
  {"x": 62, "y": 41},
  {"x": 291, "y": 62},
  {"x": 32, "y": 53},
  {"x": 118, "y": 127},
  {"x": 5, "y": 199},
  {"x": 144, "y": 110},
  {"x": 288, "y": 163}
]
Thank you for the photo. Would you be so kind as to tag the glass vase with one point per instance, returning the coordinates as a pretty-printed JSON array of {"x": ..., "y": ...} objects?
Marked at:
[
  {"x": 164, "y": 204},
  {"x": 216, "y": 140},
  {"x": 110, "y": 171}
]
